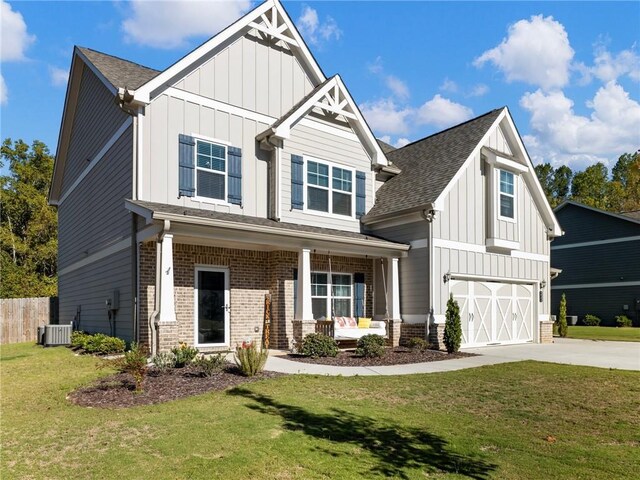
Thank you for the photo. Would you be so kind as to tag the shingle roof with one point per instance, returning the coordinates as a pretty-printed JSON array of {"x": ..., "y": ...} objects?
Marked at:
[
  {"x": 119, "y": 72},
  {"x": 385, "y": 147},
  {"x": 428, "y": 165},
  {"x": 258, "y": 221}
]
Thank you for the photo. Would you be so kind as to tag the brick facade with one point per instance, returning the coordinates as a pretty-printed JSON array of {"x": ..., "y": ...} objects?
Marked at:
[
  {"x": 546, "y": 332},
  {"x": 412, "y": 330}
]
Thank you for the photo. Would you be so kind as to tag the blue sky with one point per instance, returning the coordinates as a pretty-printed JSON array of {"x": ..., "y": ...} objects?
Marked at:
[{"x": 569, "y": 71}]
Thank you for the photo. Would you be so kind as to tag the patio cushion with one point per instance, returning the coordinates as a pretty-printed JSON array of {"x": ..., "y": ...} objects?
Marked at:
[
  {"x": 364, "y": 322},
  {"x": 341, "y": 322},
  {"x": 351, "y": 322}
]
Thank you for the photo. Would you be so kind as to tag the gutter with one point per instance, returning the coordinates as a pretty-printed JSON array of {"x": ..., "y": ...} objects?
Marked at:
[{"x": 428, "y": 207}]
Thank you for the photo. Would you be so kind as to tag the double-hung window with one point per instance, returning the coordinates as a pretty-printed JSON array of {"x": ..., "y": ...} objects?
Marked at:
[
  {"x": 329, "y": 188},
  {"x": 211, "y": 170},
  {"x": 331, "y": 294},
  {"x": 507, "y": 194}
]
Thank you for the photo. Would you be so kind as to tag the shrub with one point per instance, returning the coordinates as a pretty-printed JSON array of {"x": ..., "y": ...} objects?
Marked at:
[
  {"x": 78, "y": 337},
  {"x": 184, "y": 354},
  {"x": 562, "y": 317},
  {"x": 370, "y": 346},
  {"x": 99, "y": 343},
  {"x": 319, "y": 345},
  {"x": 591, "y": 320},
  {"x": 452, "y": 326},
  {"x": 250, "y": 360},
  {"x": 135, "y": 364},
  {"x": 211, "y": 365},
  {"x": 164, "y": 361},
  {"x": 417, "y": 343},
  {"x": 623, "y": 321}
]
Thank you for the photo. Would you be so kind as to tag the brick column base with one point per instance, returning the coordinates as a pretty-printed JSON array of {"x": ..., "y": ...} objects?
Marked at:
[
  {"x": 394, "y": 329},
  {"x": 167, "y": 336},
  {"x": 546, "y": 332},
  {"x": 412, "y": 330},
  {"x": 302, "y": 328},
  {"x": 436, "y": 336}
]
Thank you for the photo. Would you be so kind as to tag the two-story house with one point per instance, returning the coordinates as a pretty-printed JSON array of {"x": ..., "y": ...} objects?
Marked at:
[{"x": 187, "y": 196}]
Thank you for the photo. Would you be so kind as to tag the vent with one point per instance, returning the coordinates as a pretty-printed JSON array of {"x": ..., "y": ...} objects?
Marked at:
[{"x": 57, "y": 335}]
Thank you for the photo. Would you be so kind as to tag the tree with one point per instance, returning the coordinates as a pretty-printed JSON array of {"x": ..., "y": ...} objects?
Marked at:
[
  {"x": 452, "y": 326},
  {"x": 590, "y": 187},
  {"x": 28, "y": 225},
  {"x": 545, "y": 174},
  {"x": 626, "y": 180},
  {"x": 562, "y": 183},
  {"x": 563, "y": 328}
]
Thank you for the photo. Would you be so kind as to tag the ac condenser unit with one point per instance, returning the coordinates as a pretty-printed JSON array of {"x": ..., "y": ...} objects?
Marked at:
[{"x": 57, "y": 335}]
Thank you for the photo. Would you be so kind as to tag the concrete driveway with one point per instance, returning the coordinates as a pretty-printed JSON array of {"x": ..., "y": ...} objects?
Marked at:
[{"x": 620, "y": 355}]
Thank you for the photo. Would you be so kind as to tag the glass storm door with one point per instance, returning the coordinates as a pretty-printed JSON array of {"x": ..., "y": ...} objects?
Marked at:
[{"x": 212, "y": 306}]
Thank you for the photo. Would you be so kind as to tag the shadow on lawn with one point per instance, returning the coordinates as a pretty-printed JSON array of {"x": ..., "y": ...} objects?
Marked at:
[{"x": 395, "y": 447}]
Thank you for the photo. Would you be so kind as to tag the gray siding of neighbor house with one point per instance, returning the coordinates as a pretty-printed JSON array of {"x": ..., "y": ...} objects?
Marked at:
[
  {"x": 96, "y": 119},
  {"x": 93, "y": 217},
  {"x": 610, "y": 263}
]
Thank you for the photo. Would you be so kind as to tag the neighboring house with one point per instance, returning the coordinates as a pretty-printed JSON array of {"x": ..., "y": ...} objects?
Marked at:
[
  {"x": 600, "y": 260},
  {"x": 242, "y": 172}
]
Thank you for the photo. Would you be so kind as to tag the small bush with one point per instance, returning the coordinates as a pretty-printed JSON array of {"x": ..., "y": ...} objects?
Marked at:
[
  {"x": 452, "y": 326},
  {"x": 563, "y": 328},
  {"x": 134, "y": 362},
  {"x": 319, "y": 345},
  {"x": 250, "y": 360},
  {"x": 99, "y": 343},
  {"x": 164, "y": 361},
  {"x": 78, "y": 337},
  {"x": 591, "y": 320},
  {"x": 623, "y": 321},
  {"x": 211, "y": 365},
  {"x": 417, "y": 343},
  {"x": 184, "y": 354},
  {"x": 370, "y": 346}
]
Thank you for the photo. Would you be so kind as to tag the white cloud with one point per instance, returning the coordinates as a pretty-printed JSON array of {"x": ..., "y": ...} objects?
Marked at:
[
  {"x": 315, "y": 31},
  {"x": 397, "y": 87},
  {"x": 14, "y": 38},
  {"x": 560, "y": 136},
  {"x": 376, "y": 66},
  {"x": 399, "y": 143},
  {"x": 386, "y": 117},
  {"x": 169, "y": 24},
  {"x": 478, "y": 90},
  {"x": 536, "y": 51},
  {"x": 58, "y": 76},
  {"x": 442, "y": 112},
  {"x": 449, "y": 86},
  {"x": 4, "y": 93},
  {"x": 609, "y": 67}
]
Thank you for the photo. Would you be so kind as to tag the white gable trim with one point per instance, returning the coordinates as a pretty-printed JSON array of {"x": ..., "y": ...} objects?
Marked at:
[{"x": 250, "y": 21}]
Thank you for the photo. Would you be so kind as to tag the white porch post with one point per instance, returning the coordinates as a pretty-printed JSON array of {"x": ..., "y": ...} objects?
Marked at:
[
  {"x": 393, "y": 288},
  {"x": 303, "y": 299},
  {"x": 167, "y": 301}
]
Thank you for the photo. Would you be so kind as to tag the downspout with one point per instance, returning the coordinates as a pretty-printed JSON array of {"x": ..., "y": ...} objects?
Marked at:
[
  {"x": 134, "y": 276},
  {"x": 153, "y": 320},
  {"x": 429, "y": 216}
]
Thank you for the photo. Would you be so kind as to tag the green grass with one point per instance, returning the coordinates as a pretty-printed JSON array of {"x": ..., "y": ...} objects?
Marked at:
[
  {"x": 489, "y": 422},
  {"x": 627, "y": 334}
]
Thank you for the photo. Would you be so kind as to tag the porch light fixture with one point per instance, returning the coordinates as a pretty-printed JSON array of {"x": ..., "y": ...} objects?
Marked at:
[
  {"x": 446, "y": 277},
  {"x": 543, "y": 284}
]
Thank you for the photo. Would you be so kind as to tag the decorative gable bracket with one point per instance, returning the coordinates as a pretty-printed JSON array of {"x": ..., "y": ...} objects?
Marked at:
[{"x": 275, "y": 27}]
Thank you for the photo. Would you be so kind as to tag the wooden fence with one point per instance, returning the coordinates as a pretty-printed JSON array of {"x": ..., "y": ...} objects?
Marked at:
[{"x": 21, "y": 317}]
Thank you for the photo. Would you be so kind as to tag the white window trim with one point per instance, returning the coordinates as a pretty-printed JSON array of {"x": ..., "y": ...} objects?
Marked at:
[
  {"x": 330, "y": 189},
  {"x": 227, "y": 300},
  {"x": 514, "y": 196},
  {"x": 214, "y": 201},
  {"x": 330, "y": 290}
]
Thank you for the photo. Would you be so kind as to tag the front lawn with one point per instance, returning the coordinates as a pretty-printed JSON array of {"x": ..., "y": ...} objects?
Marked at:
[
  {"x": 627, "y": 334},
  {"x": 510, "y": 421}
]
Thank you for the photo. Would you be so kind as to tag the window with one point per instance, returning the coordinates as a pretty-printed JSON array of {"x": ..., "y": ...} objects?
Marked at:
[
  {"x": 326, "y": 297},
  {"x": 329, "y": 189},
  {"x": 507, "y": 194},
  {"x": 211, "y": 170}
]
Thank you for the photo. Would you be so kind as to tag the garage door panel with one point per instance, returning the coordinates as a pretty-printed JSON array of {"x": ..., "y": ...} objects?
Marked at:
[
  {"x": 504, "y": 319},
  {"x": 481, "y": 318}
]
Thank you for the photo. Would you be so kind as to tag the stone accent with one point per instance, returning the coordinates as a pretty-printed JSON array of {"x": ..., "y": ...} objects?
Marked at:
[
  {"x": 546, "y": 332},
  {"x": 394, "y": 329},
  {"x": 168, "y": 336},
  {"x": 412, "y": 330},
  {"x": 436, "y": 336}
]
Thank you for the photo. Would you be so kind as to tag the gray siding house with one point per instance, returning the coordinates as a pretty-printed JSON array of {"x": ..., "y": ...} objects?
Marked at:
[
  {"x": 600, "y": 260},
  {"x": 188, "y": 196}
]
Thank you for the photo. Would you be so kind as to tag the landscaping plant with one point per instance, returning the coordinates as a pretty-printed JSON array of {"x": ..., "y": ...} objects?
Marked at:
[
  {"x": 98, "y": 343},
  {"x": 211, "y": 365},
  {"x": 134, "y": 362},
  {"x": 591, "y": 320},
  {"x": 370, "y": 346},
  {"x": 452, "y": 326},
  {"x": 623, "y": 321},
  {"x": 250, "y": 359},
  {"x": 319, "y": 345},
  {"x": 164, "y": 361},
  {"x": 417, "y": 343},
  {"x": 184, "y": 354},
  {"x": 563, "y": 328}
]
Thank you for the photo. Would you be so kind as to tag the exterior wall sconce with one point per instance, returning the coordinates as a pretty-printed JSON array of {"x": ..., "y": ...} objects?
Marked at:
[{"x": 446, "y": 277}]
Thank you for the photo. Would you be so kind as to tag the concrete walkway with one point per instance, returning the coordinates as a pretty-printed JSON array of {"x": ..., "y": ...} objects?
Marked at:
[{"x": 620, "y": 355}]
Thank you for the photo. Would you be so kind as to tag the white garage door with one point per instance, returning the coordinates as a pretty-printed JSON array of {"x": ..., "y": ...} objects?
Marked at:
[{"x": 494, "y": 313}]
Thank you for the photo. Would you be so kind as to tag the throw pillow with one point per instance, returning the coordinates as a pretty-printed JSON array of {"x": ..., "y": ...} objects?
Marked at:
[{"x": 364, "y": 322}]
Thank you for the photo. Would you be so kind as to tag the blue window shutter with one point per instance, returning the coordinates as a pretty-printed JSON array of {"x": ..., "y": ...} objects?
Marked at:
[
  {"x": 186, "y": 162},
  {"x": 234, "y": 174},
  {"x": 297, "y": 182},
  {"x": 358, "y": 300},
  {"x": 295, "y": 290},
  {"x": 361, "y": 193}
]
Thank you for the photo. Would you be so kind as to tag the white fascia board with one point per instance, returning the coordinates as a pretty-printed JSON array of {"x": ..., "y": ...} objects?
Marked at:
[
  {"x": 142, "y": 211},
  {"x": 143, "y": 93},
  {"x": 505, "y": 163}
]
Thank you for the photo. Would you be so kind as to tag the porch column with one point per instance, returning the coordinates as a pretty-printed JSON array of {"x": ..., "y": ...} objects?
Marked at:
[
  {"x": 303, "y": 299},
  {"x": 167, "y": 301},
  {"x": 393, "y": 292}
]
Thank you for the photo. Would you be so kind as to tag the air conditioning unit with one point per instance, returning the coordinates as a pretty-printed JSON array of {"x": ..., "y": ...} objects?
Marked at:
[
  {"x": 40, "y": 339},
  {"x": 57, "y": 335}
]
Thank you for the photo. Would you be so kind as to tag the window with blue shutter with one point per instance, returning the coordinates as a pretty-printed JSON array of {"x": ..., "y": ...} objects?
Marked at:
[
  {"x": 361, "y": 193},
  {"x": 235, "y": 175},
  {"x": 186, "y": 169},
  {"x": 358, "y": 298},
  {"x": 297, "y": 182}
]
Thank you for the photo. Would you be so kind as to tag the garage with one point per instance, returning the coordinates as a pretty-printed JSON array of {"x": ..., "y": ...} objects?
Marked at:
[{"x": 493, "y": 312}]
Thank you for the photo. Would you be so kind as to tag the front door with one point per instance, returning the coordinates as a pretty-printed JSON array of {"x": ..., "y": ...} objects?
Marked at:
[{"x": 211, "y": 306}]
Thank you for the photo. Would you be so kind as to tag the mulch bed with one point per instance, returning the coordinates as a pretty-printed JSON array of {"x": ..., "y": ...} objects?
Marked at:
[
  {"x": 395, "y": 356},
  {"x": 118, "y": 390}
]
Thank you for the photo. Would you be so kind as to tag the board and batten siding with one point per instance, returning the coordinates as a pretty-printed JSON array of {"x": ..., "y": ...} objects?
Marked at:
[
  {"x": 251, "y": 74},
  {"x": 166, "y": 118},
  {"x": 320, "y": 145},
  {"x": 96, "y": 119}
]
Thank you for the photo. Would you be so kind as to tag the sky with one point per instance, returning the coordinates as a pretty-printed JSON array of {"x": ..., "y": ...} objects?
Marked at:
[{"x": 568, "y": 71}]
